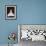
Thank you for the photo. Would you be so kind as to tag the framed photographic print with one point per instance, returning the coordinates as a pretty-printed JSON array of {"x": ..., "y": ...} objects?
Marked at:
[{"x": 10, "y": 12}]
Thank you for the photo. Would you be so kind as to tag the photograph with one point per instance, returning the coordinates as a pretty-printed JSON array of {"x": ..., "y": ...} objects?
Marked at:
[
  {"x": 10, "y": 12},
  {"x": 31, "y": 33}
]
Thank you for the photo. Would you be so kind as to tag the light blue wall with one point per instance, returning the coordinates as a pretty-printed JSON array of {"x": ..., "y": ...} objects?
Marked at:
[{"x": 28, "y": 12}]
